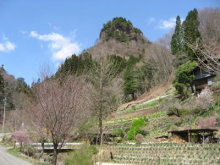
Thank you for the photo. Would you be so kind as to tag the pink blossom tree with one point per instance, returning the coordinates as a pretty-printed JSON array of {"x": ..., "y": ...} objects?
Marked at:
[
  {"x": 208, "y": 122},
  {"x": 205, "y": 99},
  {"x": 20, "y": 137}
]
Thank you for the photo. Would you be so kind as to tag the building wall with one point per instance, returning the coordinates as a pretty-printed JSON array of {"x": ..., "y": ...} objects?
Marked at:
[{"x": 210, "y": 80}]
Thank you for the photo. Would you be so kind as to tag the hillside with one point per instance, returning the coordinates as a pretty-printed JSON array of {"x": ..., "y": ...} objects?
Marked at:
[
  {"x": 142, "y": 63},
  {"x": 159, "y": 112},
  {"x": 17, "y": 92}
]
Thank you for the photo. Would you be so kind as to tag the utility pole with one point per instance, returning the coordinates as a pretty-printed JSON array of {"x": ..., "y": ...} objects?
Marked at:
[{"x": 3, "y": 125}]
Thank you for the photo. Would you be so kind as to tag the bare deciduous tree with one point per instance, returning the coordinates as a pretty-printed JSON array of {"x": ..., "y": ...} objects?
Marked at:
[
  {"x": 210, "y": 31},
  {"x": 58, "y": 109},
  {"x": 209, "y": 28},
  {"x": 104, "y": 101},
  {"x": 163, "y": 61},
  {"x": 208, "y": 56}
]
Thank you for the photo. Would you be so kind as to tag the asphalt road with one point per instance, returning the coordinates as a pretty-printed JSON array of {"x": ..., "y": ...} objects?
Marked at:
[{"x": 8, "y": 159}]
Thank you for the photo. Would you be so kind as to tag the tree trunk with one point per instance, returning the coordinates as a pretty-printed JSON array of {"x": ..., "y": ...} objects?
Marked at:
[
  {"x": 42, "y": 145},
  {"x": 177, "y": 112},
  {"x": 55, "y": 153},
  {"x": 100, "y": 127},
  {"x": 133, "y": 97},
  {"x": 21, "y": 146}
]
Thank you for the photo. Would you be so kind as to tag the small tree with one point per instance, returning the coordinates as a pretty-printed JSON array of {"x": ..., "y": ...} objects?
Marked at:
[
  {"x": 104, "y": 99},
  {"x": 20, "y": 137},
  {"x": 205, "y": 99},
  {"x": 208, "y": 122},
  {"x": 58, "y": 109}
]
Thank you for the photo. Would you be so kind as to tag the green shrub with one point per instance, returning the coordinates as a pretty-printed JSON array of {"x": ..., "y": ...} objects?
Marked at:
[
  {"x": 82, "y": 156},
  {"x": 135, "y": 128},
  {"x": 184, "y": 77},
  {"x": 119, "y": 132}
]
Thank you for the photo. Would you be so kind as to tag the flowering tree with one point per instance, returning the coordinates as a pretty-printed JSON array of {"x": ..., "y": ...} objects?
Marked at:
[
  {"x": 21, "y": 137},
  {"x": 205, "y": 99},
  {"x": 207, "y": 122}
]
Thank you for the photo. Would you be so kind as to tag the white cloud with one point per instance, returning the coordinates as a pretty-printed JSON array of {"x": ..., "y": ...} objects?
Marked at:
[
  {"x": 6, "y": 45},
  {"x": 62, "y": 47},
  {"x": 167, "y": 24}
]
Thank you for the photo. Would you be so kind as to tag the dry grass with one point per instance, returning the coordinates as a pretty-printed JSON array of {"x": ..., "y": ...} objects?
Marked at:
[{"x": 152, "y": 93}]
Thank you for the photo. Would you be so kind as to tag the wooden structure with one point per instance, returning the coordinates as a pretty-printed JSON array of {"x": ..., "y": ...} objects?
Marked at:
[
  {"x": 162, "y": 138},
  {"x": 107, "y": 137},
  {"x": 202, "y": 79},
  {"x": 196, "y": 135}
]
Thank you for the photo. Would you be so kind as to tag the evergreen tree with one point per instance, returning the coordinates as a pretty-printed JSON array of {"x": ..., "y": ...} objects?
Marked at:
[
  {"x": 176, "y": 42},
  {"x": 191, "y": 34},
  {"x": 183, "y": 77},
  {"x": 130, "y": 85}
]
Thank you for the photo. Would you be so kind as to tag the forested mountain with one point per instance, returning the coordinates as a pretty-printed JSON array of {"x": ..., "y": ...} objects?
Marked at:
[
  {"x": 139, "y": 63},
  {"x": 120, "y": 37}
]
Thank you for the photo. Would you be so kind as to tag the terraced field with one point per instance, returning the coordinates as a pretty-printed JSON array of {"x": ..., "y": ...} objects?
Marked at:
[
  {"x": 148, "y": 109},
  {"x": 162, "y": 153}
]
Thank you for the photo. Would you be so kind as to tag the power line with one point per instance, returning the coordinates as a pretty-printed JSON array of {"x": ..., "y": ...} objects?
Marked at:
[{"x": 3, "y": 125}]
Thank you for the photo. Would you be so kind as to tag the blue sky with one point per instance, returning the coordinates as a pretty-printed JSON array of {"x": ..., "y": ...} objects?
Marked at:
[{"x": 34, "y": 33}]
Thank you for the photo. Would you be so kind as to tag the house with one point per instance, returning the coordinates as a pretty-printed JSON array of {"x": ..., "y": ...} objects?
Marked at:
[{"x": 202, "y": 79}]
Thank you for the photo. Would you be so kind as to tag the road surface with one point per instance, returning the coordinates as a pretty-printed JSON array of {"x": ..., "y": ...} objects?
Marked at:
[{"x": 8, "y": 159}]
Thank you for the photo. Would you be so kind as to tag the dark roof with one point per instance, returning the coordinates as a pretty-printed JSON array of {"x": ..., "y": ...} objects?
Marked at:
[
  {"x": 163, "y": 136},
  {"x": 201, "y": 73},
  {"x": 194, "y": 130}
]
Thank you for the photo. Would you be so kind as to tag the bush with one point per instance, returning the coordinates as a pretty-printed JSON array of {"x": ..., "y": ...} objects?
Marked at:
[
  {"x": 215, "y": 86},
  {"x": 174, "y": 128},
  {"x": 135, "y": 128},
  {"x": 144, "y": 130},
  {"x": 139, "y": 138},
  {"x": 30, "y": 151},
  {"x": 119, "y": 132},
  {"x": 205, "y": 99},
  {"x": 173, "y": 107},
  {"x": 82, "y": 156},
  {"x": 208, "y": 122}
]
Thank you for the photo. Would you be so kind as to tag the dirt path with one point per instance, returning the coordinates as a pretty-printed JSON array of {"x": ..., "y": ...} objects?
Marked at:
[{"x": 7, "y": 159}]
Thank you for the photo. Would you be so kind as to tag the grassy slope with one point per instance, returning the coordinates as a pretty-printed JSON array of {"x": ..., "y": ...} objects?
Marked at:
[{"x": 158, "y": 121}]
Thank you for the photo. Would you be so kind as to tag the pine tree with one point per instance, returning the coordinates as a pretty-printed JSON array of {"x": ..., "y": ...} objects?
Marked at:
[
  {"x": 176, "y": 42},
  {"x": 191, "y": 34},
  {"x": 129, "y": 86}
]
